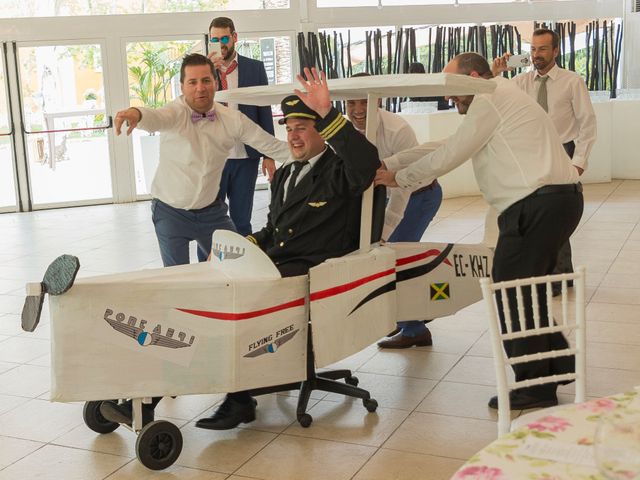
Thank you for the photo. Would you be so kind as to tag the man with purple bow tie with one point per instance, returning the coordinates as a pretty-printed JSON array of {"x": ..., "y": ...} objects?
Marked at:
[{"x": 197, "y": 134}]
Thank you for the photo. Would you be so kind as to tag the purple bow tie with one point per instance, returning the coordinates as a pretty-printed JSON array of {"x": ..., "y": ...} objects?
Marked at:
[{"x": 196, "y": 117}]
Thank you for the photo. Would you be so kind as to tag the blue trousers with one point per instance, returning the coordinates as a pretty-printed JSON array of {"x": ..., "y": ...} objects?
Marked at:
[
  {"x": 237, "y": 185},
  {"x": 175, "y": 228},
  {"x": 421, "y": 209}
]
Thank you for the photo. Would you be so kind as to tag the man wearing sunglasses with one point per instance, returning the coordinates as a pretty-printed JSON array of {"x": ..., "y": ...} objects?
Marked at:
[{"x": 241, "y": 170}]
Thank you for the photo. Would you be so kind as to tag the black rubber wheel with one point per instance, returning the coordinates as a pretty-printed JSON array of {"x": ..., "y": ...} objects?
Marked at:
[
  {"x": 94, "y": 419},
  {"x": 370, "y": 404},
  {"x": 352, "y": 381},
  {"x": 305, "y": 420},
  {"x": 159, "y": 445}
]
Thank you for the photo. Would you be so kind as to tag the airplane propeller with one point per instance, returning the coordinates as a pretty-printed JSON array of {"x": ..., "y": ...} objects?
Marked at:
[{"x": 58, "y": 278}]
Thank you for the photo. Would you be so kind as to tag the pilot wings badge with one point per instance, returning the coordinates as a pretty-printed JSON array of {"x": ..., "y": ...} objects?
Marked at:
[
  {"x": 273, "y": 346},
  {"x": 317, "y": 204}
]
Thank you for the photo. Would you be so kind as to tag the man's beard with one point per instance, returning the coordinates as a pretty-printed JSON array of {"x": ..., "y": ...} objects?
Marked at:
[{"x": 230, "y": 53}]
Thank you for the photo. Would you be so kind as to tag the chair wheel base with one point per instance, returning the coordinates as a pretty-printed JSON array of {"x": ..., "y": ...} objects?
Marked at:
[
  {"x": 370, "y": 404},
  {"x": 305, "y": 420}
]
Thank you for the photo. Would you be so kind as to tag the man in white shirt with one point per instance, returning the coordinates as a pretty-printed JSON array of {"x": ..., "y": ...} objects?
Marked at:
[
  {"x": 408, "y": 212},
  {"x": 525, "y": 174},
  {"x": 564, "y": 95},
  {"x": 197, "y": 135},
  {"x": 239, "y": 176}
]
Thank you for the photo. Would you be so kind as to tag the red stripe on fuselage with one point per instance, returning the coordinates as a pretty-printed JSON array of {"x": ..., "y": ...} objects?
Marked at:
[
  {"x": 294, "y": 303},
  {"x": 329, "y": 292},
  {"x": 421, "y": 256}
]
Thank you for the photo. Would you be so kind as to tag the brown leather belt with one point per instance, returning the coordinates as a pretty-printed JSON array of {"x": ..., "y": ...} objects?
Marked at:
[{"x": 431, "y": 186}]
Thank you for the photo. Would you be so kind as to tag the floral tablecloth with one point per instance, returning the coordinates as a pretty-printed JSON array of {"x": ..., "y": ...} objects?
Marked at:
[{"x": 564, "y": 428}]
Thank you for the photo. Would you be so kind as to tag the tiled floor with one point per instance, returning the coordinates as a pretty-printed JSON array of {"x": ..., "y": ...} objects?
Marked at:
[{"x": 432, "y": 414}]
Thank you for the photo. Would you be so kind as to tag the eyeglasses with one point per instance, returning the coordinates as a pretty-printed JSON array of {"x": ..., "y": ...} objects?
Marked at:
[{"x": 224, "y": 40}]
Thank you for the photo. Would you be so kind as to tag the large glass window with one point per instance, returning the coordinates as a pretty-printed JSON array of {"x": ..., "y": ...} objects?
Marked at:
[
  {"x": 55, "y": 8},
  {"x": 7, "y": 183},
  {"x": 64, "y": 113}
]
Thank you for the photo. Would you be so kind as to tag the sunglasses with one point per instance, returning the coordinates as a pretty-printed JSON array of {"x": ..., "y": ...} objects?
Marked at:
[{"x": 224, "y": 40}]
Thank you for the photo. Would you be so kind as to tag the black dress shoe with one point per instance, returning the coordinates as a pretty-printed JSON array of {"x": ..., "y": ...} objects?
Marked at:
[
  {"x": 401, "y": 341},
  {"x": 229, "y": 415},
  {"x": 122, "y": 412},
  {"x": 522, "y": 401}
]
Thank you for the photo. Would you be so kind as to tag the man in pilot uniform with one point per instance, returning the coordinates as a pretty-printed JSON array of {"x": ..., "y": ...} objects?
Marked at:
[{"x": 314, "y": 212}]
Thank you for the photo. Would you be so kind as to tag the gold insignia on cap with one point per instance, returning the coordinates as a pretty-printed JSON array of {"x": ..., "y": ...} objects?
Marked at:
[
  {"x": 291, "y": 103},
  {"x": 317, "y": 204}
]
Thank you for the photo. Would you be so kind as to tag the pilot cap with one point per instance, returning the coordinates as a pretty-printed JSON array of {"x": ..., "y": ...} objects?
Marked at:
[{"x": 293, "y": 107}]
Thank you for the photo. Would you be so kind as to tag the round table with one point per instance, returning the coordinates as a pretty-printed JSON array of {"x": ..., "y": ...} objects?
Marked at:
[{"x": 556, "y": 446}]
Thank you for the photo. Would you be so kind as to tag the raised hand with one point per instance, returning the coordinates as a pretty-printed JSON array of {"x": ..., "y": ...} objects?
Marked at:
[
  {"x": 316, "y": 95},
  {"x": 500, "y": 64}
]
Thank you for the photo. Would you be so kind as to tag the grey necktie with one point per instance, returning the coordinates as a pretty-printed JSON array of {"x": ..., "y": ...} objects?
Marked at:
[{"x": 542, "y": 92}]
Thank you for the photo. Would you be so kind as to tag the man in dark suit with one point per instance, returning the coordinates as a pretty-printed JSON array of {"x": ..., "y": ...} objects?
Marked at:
[
  {"x": 314, "y": 212},
  {"x": 241, "y": 170}
]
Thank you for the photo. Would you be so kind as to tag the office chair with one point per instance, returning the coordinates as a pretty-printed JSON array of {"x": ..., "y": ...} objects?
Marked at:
[{"x": 327, "y": 381}]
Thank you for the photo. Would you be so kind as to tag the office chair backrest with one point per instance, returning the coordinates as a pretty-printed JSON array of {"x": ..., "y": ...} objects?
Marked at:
[
  {"x": 565, "y": 324},
  {"x": 377, "y": 212}
]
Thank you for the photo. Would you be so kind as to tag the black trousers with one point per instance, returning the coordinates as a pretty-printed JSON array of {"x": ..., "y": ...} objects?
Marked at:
[
  {"x": 532, "y": 231},
  {"x": 564, "y": 263}
]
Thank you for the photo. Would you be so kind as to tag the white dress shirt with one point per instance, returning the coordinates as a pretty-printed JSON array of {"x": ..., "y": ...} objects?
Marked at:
[
  {"x": 393, "y": 134},
  {"x": 569, "y": 106},
  {"x": 192, "y": 155},
  {"x": 514, "y": 147},
  {"x": 305, "y": 169},
  {"x": 238, "y": 150}
]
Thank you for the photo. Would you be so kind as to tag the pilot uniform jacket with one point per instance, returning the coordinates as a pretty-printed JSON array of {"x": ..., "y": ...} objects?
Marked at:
[{"x": 320, "y": 218}]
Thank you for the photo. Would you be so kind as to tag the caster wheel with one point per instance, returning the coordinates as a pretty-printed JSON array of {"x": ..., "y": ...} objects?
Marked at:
[
  {"x": 370, "y": 404},
  {"x": 305, "y": 420},
  {"x": 352, "y": 381},
  {"x": 94, "y": 419},
  {"x": 159, "y": 445}
]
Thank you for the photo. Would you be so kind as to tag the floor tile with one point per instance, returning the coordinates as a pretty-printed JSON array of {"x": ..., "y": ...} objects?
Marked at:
[
  {"x": 54, "y": 463},
  {"x": 25, "y": 381},
  {"x": 134, "y": 470},
  {"x": 40, "y": 420},
  {"x": 21, "y": 350},
  {"x": 460, "y": 400},
  {"x": 220, "y": 451},
  {"x": 402, "y": 393},
  {"x": 13, "y": 449},
  {"x": 9, "y": 402},
  {"x": 411, "y": 363},
  {"x": 441, "y": 435},
  {"x": 392, "y": 464},
  {"x": 477, "y": 370},
  {"x": 350, "y": 422},
  {"x": 292, "y": 458}
]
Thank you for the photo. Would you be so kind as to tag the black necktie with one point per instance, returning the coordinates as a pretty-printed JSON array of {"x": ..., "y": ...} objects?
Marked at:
[{"x": 297, "y": 168}]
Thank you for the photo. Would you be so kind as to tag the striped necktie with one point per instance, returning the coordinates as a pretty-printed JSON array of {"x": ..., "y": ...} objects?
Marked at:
[{"x": 224, "y": 85}]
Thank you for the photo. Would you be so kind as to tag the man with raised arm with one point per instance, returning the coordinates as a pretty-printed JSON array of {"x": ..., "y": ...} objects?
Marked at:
[
  {"x": 314, "y": 213},
  {"x": 196, "y": 137}
]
